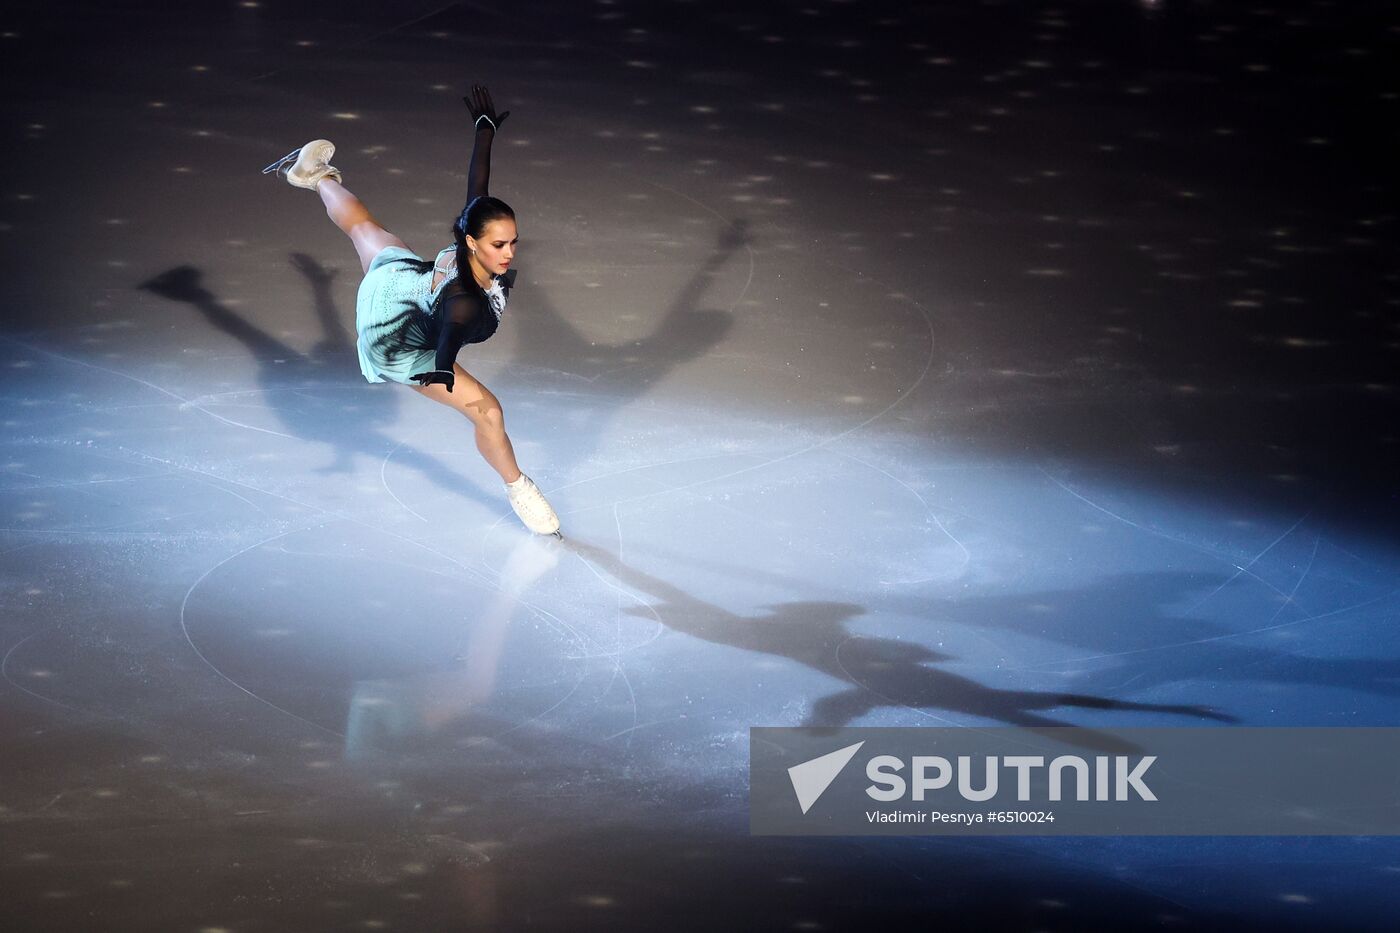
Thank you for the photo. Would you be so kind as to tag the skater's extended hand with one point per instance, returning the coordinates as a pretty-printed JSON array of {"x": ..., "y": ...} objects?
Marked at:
[
  {"x": 436, "y": 377},
  {"x": 479, "y": 103}
]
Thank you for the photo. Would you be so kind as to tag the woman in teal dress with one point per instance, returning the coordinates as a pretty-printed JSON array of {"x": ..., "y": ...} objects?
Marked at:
[{"x": 413, "y": 316}]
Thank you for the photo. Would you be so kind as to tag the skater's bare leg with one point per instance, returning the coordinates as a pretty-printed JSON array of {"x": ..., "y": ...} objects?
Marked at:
[
  {"x": 353, "y": 218},
  {"x": 474, "y": 400}
]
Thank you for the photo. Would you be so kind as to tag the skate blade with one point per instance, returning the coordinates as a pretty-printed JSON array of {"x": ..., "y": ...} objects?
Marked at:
[{"x": 288, "y": 159}]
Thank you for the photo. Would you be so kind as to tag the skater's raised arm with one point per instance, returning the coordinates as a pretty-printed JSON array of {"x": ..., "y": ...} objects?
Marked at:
[{"x": 487, "y": 121}]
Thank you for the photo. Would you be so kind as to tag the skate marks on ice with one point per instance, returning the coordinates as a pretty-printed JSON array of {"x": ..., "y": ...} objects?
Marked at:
[
  {"x": 1250, "y": 599},
  {"x": 282, "y": 622},
  {"x": 1141, "y": 640},
  {"x": 457, "y": 654}
]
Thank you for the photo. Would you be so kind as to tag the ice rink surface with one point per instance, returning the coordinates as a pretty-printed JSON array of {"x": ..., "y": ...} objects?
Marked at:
[{"x": 962, "y": 364}]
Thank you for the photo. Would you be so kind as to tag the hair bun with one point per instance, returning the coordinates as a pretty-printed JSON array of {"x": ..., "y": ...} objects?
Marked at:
[{"x": 479, "y": 212}]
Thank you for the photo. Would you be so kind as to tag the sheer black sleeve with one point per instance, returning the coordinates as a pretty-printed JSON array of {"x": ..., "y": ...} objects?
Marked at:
[
  {"x": 465, "y": 314},
  {"x": 479, "y": 173},
  {"x": 464, "y": 311}
]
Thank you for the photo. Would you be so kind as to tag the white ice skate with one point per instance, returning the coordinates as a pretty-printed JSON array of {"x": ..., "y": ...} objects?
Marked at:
[
  {"x": 532, "y": 507},
  {"x": 305, "y": 167}
]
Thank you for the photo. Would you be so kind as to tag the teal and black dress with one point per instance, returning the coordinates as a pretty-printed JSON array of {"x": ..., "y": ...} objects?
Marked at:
[{"x": 406, "y": 327}]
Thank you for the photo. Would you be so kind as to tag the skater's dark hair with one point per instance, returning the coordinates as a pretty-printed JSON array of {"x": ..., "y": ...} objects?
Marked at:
[{"x": 479, "y": 212}]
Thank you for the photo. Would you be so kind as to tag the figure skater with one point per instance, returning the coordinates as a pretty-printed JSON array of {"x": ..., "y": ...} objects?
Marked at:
[{"x": 412, "y": 316}]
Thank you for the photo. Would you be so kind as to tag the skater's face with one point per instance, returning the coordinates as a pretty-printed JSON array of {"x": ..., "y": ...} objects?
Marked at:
[{"x": 495, "y": 248}]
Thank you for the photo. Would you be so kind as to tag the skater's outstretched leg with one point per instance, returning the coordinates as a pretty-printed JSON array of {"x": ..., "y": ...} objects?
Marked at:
[
  {"x": 477, "y": 402},
  {"x": 309, "y": 167},
  {"x": 355, "y": 221},
  {"x": 474, "y": 400}
]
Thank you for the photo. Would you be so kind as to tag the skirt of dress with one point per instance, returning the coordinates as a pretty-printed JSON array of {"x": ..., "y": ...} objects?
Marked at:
[{"x": 393, "y": 317}]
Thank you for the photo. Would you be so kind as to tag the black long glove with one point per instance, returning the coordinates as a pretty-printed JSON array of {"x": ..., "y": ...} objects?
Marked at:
[{"x": 479, "y": 103}]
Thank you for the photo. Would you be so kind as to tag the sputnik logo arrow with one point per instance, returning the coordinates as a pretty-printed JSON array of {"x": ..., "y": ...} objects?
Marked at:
[{"x": 811, "y": 778}]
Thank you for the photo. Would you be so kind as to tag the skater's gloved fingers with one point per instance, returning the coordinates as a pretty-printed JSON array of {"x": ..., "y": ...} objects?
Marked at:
[
  {"x": 436, "y": 377},
  {"x": 480, "y": 103}
]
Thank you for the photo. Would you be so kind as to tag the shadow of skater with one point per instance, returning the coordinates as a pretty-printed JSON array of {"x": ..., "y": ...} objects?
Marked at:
[
  {"x": 623, "y": 372},
  {"x": 880, "y": 672},
  {"x": 311, "y": 394},
  {"x": 336, "y": 348}
]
